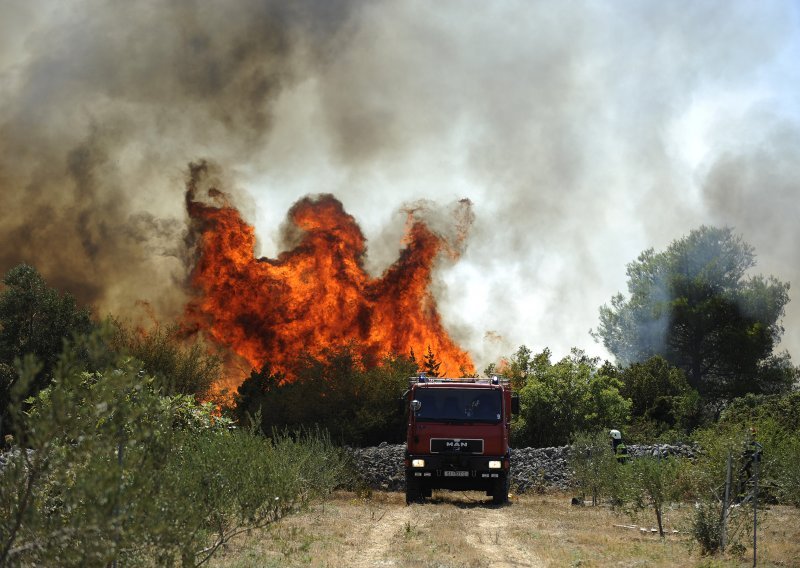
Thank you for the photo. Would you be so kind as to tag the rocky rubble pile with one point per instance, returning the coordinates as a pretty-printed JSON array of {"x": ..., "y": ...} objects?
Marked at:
[{"x": 381, "y": 467}]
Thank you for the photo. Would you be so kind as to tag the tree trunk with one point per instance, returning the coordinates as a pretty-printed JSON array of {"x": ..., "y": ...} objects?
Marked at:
[{"x": 660, "y": 526}]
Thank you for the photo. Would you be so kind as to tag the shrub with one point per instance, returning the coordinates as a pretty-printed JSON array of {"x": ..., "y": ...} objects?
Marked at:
[
  {"x": 356, "y": 402},
  {"x": 178, "y": 366},
  {"x": 559, "y": 399},
  {"x": 707, "y": 527},
  {"x": 117, "y": 472},
  {"x": 787, "y": 470},
  {"x": 651, "y": 482},
  {"x": 34, "y": 320},
  {"x": 594, "y": 464}
]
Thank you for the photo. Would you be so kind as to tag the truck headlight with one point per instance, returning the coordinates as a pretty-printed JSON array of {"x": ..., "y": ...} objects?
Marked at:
[
  {"x": 417, "y": 463},
  {"x": 495, "y": 464}
]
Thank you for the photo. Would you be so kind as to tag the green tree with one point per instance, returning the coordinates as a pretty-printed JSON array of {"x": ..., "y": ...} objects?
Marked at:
[
  {"x": 593, "y": 463},
  {"x": 693, "y": 305},
  {"x": 337, "y": 391},
  {"x": 774, "y": 420},
  {"x": 652, "y": 482},
  {"x": 565, "y": 397},
  {"x": 660, "y": 395},
  {"x": 34, "y": 320},
  {"x": 430, "y": 365},
  {"x": 520, "y": 365}
]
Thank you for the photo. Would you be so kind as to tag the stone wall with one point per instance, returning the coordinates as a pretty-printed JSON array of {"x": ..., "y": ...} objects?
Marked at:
[{"x": 381, "y": 467}]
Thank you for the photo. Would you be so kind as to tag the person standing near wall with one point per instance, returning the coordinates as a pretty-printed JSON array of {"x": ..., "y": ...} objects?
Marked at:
[{"x": 619, "y": 447}]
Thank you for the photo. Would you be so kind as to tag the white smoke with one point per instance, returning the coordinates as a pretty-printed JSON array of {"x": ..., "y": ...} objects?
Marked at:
[{"x": 582, "y": 132}]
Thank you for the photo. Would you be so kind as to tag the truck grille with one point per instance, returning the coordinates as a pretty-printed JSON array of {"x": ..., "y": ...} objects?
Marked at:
[{"x": 456, "y": 446}]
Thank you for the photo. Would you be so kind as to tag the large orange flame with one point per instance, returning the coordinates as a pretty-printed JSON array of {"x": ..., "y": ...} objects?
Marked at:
[{"x": 317, "y": 295}]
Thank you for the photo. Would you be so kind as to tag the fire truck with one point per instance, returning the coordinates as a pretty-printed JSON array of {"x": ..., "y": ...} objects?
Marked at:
[{"x": 457, "y": 436}]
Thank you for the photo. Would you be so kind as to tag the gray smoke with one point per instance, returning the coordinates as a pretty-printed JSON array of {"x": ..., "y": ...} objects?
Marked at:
[
  {"x": 582, "y": 133},
  {"x": 104, "y": 104}
]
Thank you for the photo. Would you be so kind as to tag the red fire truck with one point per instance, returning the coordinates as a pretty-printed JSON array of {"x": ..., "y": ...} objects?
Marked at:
[{"x": 457, "y": 438}]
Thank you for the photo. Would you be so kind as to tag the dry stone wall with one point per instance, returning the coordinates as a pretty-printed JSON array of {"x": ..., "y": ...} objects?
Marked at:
[{"x": 381, "y": 467}]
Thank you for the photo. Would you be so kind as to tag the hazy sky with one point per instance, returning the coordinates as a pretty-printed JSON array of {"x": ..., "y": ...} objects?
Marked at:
[{"x": 583, "y": 133}]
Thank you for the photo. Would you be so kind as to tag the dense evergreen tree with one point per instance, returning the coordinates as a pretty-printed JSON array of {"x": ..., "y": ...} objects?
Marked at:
[
  {"x": 430, "y": 364},
  {"x": 337, "y": 391},
  {"x": 34, "y": 320},
  {"x": 693, "y": 305}
]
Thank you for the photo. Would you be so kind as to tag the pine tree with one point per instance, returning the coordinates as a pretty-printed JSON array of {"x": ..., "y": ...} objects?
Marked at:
[
  {"x": 413, "y": 358},
  {"x": 430, "y": 364}
]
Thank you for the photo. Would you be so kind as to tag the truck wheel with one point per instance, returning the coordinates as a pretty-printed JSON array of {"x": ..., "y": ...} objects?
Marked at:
[
  {"x": 413, "y": 493},
  {"x": 500, "y": 491}
]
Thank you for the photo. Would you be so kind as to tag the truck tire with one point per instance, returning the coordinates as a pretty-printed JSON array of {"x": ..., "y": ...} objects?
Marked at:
[
  {"x": 413, "y": 491},
  {"x": 500, "y": 491}
]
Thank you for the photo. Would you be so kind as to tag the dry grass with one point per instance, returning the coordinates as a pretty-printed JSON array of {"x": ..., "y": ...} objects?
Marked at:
[{"x": 464, "y": 529}]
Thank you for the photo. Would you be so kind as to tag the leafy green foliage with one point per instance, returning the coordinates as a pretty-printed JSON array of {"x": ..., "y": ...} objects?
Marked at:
[
  {"x": 355, "y": 402},
  {"x": 34, "y": 320},
  {"x": 594, "y": 464},
  {"x": 773, "y": 421},
  {"x": 706, "y": 478},
  {"x": 706, "y": 527},
  {"x": 179, "y": 368},
  {"x": 520, "y": 365},
  {"x": 787, "y": 471},
  {"x": 651, "y": 483},
  {"x": 752, "y": 409},
  {"x": 661, "y": 398},
  {"x": 116, "y": 471},
  {"x": 692, "y": 305},
  {"x": 571, "y": 395}
]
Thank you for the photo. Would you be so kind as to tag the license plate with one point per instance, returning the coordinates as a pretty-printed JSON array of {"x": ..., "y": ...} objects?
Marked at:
[{"x": 456, "y": 474}]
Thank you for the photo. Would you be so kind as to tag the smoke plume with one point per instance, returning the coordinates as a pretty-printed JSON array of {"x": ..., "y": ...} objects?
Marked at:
[
  {"x": 103, "y": 106},
  {"x": 582, "y": 133}
]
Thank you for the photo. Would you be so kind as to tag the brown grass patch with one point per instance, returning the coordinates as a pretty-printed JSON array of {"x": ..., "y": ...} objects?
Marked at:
[{"x": 466, "y": 530}]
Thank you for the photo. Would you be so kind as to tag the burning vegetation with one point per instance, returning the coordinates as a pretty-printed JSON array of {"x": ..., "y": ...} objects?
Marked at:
[{"x": 317, "y": 295}]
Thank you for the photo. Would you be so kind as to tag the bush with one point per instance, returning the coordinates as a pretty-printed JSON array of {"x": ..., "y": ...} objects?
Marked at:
[
  {"x": 569, "y": 396},
  {"x": 356, "y": 403},
  {"x": 787, "y": 470},
  {"x": 772, "y": 422},
  {"x": 594, "y": 464},
  {"x": 34, "y": 320},
  {"x": 650, "y": 482},
  {"x": 707, "y": 527},
  {"x": 117, "y": 472},
  {"x": 178, "y": 366},
  {"x": 222, "y": 483}
]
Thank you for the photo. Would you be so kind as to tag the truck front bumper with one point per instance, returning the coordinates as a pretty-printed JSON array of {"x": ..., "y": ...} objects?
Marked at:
[{"x": 452, "y": 471}]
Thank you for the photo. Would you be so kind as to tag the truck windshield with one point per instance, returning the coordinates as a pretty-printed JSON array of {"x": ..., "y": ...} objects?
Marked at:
[{"x": 464, "y": 405}]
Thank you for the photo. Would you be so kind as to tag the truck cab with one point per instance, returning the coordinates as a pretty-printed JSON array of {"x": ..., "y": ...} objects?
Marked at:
[{"x": 457, "y": 436}]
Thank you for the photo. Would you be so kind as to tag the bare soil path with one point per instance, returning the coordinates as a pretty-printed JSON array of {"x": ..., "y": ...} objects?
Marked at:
[
  {"x": 452, "y": 529},
  {"x": 376, "y": 547}
]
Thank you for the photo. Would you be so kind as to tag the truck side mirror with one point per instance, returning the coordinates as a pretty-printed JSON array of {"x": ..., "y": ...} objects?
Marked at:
[
  {"x": 514, "y": 403},
  {"x": 415, "y": 405},
  {"x": 402, "y": 401}
]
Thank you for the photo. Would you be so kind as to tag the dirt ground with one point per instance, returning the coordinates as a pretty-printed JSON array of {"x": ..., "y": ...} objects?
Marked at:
[{"x": 466, "y": 530}]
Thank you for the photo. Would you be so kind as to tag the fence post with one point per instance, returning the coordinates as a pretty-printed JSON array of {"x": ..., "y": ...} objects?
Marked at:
[
  {"x": 757, "y": 466},
  {"x": 724, "y": 521}
]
